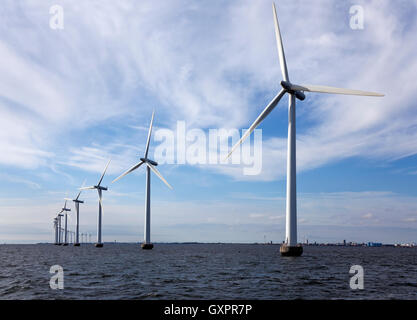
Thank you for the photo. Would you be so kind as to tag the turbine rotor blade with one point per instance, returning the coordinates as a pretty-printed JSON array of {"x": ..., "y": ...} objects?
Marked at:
[
  {"x": 79, "y": 193},
  {"x": 88, "y": 188},
  {"x": 149, "y": 136},
  {"x": 325, "y": 89},
  {"x": 158, "y": 174},
  {"x": 280, "y": 46},
  {"x": 104, "y": 172},
  {"x": 129, "y": 171},
  {"x": 271, "y": 106}
]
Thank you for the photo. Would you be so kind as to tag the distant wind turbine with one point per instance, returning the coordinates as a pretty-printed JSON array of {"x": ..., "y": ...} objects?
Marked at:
[
  {"x": 290, "y": 246},
  {"x": 77, "y": 209},
  {"x": 56, "y": 230},
  {"x": 65, "y": 210},
  {"x": 150, "y": 166},
  {"x": 99, "y": 188},
  {"x": 59, "y": 216}
]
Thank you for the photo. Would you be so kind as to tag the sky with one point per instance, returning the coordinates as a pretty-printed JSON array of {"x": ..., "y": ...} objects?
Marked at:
[{"x": 73, "y": 97}]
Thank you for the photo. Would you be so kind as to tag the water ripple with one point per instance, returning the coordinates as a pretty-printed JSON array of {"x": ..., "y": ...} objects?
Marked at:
[{"x": 204, "y": 271}]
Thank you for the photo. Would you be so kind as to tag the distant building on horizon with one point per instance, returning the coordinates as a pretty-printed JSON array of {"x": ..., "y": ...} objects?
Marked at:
[{"x": 374, "y": 244}]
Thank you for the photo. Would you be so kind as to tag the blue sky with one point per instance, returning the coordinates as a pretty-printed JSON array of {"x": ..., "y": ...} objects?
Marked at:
[{"x": 70, "y": 99}]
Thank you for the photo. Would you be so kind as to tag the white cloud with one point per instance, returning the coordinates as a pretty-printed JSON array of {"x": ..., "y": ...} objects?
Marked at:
[
  {"x": 256, "y": 215},
  {"x": 327, "y": 211},
  {"x": 20, "y": 180},
  {"x": 368, "y": 216},
  {"x": 61, "y": 92},
  {"x": 111, "y": 58},
  {"x": 373, "y": 59}
]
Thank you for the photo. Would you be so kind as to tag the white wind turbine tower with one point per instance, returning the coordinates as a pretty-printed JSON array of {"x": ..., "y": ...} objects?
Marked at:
[
  {"x": 77, "y": 209},
  {"x": 56, "y": 230},
  {"x": 290, "y": 246},
  {"x": 99, "y": 188},
  {"x": 65, "y": 210},
  {"x": 59, "y": 216},
  {"x": 150, "y": 166}
]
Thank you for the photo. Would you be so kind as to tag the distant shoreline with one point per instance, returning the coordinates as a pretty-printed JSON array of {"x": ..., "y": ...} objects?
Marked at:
[{"x": 369, "y": 245}]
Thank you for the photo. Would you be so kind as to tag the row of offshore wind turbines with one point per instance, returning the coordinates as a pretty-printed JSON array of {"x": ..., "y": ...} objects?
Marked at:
[
  {"x": 290, "y": 246},
  {"x": 150, "y": 165},
  {"x": 70, "y": 235}
]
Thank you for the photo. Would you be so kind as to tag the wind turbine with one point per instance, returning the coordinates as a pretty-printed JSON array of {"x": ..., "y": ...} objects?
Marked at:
[
  {"x": 65, "y": 210},
  {"x": 150, "y": 166},
  {"x": 56, "y": 230},
  {"x": 290, "y": 246},
  {"x": 77, "y": 209},
  {"x": 59, "y": 216},
  {"x": 99, "y": 188}
]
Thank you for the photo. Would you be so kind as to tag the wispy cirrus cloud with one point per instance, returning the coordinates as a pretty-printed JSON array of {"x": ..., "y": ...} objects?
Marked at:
[
  {"x": 71, "y": 99},
  {"x": 97, "y": 69}
]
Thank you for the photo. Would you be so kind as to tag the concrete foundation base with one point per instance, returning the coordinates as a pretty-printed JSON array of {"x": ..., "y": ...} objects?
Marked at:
[
  {"x": 146, "y": 246},
  {"x": 76, "y": 244},
  {"x": 287, "y": 251},
  {"x": 65, "y": 244},
  {"x": 98, "y": 245}
]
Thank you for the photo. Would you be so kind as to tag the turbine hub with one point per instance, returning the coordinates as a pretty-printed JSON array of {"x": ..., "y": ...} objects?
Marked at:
[{"x": 288, "y": 87}]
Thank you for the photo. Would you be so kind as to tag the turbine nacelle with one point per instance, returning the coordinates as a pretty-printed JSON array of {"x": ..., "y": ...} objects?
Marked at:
[{"x": 154, "y": 163}]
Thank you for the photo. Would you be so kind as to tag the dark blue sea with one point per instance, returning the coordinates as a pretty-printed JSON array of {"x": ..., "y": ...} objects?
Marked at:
[{"x": 205, "y": 271}]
